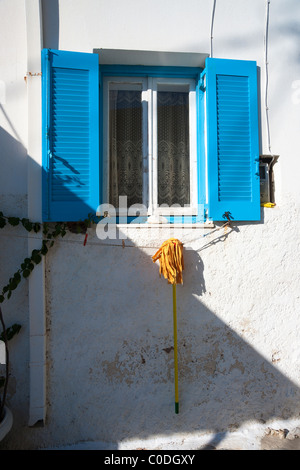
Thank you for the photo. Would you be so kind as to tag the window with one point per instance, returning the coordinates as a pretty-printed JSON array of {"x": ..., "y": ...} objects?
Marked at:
[
  {"x": 149, "y": 143},
  {"x": 178, "y": 137}
]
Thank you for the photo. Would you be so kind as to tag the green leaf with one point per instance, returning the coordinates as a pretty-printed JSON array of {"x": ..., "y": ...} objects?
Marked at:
[
  {"x": 1, "y": 298},
  {"x": 36, "y": 227},
  {"x": 57, "y": 230},
  {"x": 2, "y": 222},
  {"x": 36, "y": 258},
  {"x": 11, "y": 331},
  {"x": 24, "y": 221},
  {"x": 27, "y": 224},
  {"x": 13, "y": 221},
  {"x": 44, "y": 249},
  {"x": 17, "y": 276},
  {"x": 13, "y": 284},
  {"x": 26, "y": 273}
]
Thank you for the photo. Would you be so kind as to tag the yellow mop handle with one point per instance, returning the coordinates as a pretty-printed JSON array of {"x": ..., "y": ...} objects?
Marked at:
[{"x": 175, "y": 350}]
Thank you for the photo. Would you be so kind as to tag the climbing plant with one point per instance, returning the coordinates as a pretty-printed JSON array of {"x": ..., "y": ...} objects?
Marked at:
[
  {"x": 50, "y": 233},
  {"x": 36, "y": 256}
]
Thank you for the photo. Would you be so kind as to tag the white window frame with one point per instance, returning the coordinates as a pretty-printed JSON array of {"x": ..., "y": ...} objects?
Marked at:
[
  {"x": 135, "y": 83},
  {"x": 149, "y": 87},
  {"x": 190, "y": 209}
]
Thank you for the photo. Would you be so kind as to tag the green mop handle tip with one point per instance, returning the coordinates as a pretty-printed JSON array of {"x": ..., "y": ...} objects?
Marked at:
[{"x": 176, "y": 407}]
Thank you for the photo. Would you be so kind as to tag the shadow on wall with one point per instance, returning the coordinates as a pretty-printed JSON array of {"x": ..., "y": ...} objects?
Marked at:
[
  {"x": 111, "y": 340},
  {"x": 110, "y": 350},
  {"x": 13, "y": 250},
  {"x": 13, "y": 161},
  {"x": 118, "y": 338},
  {"x": 50, "y": 12}
]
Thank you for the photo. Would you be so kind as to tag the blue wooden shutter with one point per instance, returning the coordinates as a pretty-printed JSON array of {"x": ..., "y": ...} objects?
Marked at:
[
  {"x": 70, "y": 120},
  {"x": 232, "y": 139}
]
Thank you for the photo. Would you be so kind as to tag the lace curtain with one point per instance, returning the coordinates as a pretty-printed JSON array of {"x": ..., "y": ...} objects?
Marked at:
[
  {"x": 125, "y": 143},
  {"x": 125, "y": 125},
  {"x": 173, "y": 148}
]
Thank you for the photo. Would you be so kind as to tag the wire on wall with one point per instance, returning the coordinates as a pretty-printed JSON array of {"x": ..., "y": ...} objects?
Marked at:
[
  {"x": 212, "y": 28},
  {"x": 266, "y": 40},
  {"x": 104, "y": 243}
]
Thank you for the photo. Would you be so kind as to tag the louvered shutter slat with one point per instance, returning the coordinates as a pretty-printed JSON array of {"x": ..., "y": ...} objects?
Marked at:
[
  {"x": 232, "y": 139},
  {"x": 71, "y": 140}
]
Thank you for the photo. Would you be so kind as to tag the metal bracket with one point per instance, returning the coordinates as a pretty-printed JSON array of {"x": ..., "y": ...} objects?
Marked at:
[
  {"x": 203, "y": 81},
  {"x": 30, "y": 74}
]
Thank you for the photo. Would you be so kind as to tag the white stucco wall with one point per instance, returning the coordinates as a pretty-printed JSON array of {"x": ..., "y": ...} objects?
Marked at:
[
  {"x": 108, "y": 315},
  {"x": 13, "y": 192}
]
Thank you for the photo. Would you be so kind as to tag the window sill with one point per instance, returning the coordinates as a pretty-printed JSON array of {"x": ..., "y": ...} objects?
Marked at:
[{"x": 169, "y": 226}]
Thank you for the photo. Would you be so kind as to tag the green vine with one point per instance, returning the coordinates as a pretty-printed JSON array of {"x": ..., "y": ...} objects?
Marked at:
[{"x": 50, "y": 233}]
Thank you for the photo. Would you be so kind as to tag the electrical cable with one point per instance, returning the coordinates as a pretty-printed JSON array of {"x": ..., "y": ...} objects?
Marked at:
[
  {"x": 266, "y": 40},
  {"x": 211, "y": 28}
]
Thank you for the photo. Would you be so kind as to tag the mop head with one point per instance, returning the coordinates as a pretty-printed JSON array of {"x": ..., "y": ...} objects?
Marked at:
[{"x": 171, "y": 264}]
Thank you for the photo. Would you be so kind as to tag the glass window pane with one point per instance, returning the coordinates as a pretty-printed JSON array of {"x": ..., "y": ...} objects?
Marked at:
[
  {"x": 173, "y": 147},
  {"x": 125, "y": 146}
]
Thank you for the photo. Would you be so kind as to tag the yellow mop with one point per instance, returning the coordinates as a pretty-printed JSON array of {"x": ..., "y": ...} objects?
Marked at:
[{"x": 170, "y": 256}]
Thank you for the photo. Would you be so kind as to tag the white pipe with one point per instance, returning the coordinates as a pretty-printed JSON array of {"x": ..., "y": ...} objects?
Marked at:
[{"x": 37, "y": 334}]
